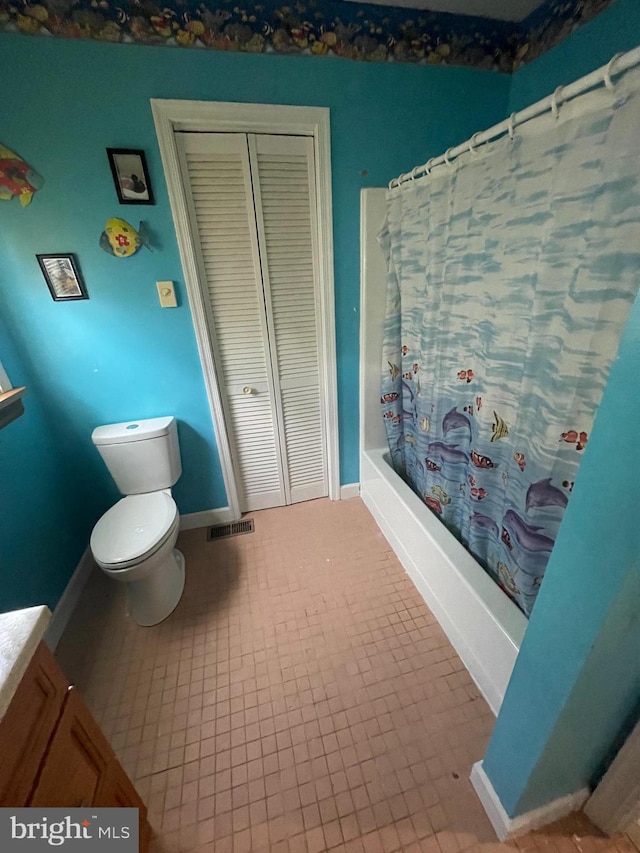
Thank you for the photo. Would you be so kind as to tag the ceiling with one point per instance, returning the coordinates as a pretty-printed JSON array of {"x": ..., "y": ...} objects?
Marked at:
[{"x": 501, "y": 10}]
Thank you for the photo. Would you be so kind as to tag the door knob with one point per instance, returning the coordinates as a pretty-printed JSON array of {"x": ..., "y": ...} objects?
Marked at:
[{"x": 247, "y": 390}]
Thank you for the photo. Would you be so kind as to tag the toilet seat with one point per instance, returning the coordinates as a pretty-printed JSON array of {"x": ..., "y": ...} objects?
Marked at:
[{"x": 133, "y": 529}]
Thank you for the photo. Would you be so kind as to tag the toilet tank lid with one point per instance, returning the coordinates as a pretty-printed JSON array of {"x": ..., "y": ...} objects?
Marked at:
[{"x": 132, "y": 431}]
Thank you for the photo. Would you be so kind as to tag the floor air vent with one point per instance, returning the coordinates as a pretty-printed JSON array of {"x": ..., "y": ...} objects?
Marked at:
[{"x": 235, "y": 528}]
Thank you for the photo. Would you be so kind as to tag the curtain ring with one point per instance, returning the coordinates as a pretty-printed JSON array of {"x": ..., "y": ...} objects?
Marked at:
[
  {"x": 446, "y": 157},
  {"x": 428, "y": 165},
  {"x": 608, "y": 71},
  {"x": 512, "y": 126},
  {"x": 555, "y": 110},
  {"x": 472, "y": 149},
  {"x": 412, "y": 173}
]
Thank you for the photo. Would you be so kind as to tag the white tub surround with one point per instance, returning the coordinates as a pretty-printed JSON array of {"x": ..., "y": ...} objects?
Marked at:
[{"x": 20, "y": 633}]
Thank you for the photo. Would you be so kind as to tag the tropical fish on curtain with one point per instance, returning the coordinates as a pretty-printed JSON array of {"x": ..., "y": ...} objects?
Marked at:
[{"x": 510, "y": 277}]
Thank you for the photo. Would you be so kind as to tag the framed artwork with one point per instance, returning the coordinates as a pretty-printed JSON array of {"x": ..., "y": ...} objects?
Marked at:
[
  {"x": 62, "y": 277},
  {"x": 130, "y": 176}
]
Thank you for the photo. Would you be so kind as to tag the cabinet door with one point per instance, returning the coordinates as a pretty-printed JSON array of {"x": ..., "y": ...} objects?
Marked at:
[
  {"x": 28, "y": 725},
  {"x": 81, "y": 768},
  {"x": 77, "y": 761},
  {"x": 117, "y": 790}
]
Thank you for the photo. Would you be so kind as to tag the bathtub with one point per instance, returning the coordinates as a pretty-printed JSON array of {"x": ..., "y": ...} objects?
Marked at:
[{"x": 484, "y": 626}]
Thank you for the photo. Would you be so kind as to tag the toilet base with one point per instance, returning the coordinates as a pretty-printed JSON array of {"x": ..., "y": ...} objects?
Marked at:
[{"x": 157, "y": 595}]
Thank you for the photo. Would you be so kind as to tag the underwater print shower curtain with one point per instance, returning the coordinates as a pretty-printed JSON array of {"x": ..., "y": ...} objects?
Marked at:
[{"x": 510, "y": 276}]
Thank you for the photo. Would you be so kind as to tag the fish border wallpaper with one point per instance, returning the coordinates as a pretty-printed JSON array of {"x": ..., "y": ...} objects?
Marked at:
[{"x": 313, "y": 27}]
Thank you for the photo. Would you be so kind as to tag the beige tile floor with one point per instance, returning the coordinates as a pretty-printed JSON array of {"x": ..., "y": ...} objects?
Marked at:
[{"x": 301, "y": 698}]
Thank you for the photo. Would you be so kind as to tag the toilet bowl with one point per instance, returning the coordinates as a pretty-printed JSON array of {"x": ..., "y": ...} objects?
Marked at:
[{"x": 134, "y": 542}]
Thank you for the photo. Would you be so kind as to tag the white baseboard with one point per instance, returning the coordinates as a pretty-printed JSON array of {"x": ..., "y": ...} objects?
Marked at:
[
  {"x": 206, "y": 518},
  {"x": 66, "y": 605},
  {"x": 223, "y": 514},
  {"x": 510, "y": 827},
  {"x": 350, "y": 490}
]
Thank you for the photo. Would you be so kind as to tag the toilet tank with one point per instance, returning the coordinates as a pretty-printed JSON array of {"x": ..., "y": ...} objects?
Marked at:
[{"x": 142, "y": 456}]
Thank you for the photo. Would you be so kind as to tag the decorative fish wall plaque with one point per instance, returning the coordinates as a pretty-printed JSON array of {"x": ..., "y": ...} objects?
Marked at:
[
  {"x": 121, "y": 239},
  {"x": 17, "y": 178}
]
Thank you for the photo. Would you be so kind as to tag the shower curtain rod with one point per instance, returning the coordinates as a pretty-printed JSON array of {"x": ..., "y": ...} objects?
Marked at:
[{"x": 621, "y": 61}]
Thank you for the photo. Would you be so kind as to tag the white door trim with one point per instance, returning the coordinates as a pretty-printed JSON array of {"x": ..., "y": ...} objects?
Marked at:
[{"x": 170, "y": 116}]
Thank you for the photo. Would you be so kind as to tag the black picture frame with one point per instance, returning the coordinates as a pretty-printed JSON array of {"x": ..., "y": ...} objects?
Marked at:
[
  {"x": 130, "y": 175},
  {"x": 63, "y": 278}
]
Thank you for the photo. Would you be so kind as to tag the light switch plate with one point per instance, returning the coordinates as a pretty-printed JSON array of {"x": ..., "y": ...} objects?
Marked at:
[{"x": 166, "y": 294}]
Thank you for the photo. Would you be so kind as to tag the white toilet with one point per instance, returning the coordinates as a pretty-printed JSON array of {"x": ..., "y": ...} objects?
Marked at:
[{"x": 134, "y": 540}]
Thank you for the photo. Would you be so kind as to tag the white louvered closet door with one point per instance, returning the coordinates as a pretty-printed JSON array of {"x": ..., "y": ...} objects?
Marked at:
[
  {"x": 284, "y": 193},
  {"x": 252, "y": 206}
]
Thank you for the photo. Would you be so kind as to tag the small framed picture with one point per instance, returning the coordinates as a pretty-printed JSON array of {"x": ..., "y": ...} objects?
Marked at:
[
  {"x": 62, "y": 277},
  {"x": 129, "y": 169}
]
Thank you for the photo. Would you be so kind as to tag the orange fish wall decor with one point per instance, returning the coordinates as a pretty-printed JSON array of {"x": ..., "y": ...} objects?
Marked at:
[{"x": 17, "y": 178}]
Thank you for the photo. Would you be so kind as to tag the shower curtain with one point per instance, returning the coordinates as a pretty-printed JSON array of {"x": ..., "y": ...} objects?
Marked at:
[{"x": 510, "y": 276}]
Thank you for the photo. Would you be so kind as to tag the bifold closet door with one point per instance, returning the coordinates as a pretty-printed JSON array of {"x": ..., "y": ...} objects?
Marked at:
[
  {"x": 217, "y": 177},
  {"x": 252, "y": 207},
  {"x": 284, "y": 194}
]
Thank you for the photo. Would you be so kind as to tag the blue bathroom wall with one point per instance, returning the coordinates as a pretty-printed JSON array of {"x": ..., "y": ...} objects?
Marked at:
[
  {"x": 43, "y": 510},
  {"x": 577, "y": 679},
  {"x": 119, "y": 355}
]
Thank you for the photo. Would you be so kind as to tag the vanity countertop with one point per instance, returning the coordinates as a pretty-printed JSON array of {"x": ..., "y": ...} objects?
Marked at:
[{"x": 20, "y": 633}]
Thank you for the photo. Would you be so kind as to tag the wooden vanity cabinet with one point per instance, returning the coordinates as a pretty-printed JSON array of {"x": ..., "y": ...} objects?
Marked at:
[{"x": 53, "y": 753}]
